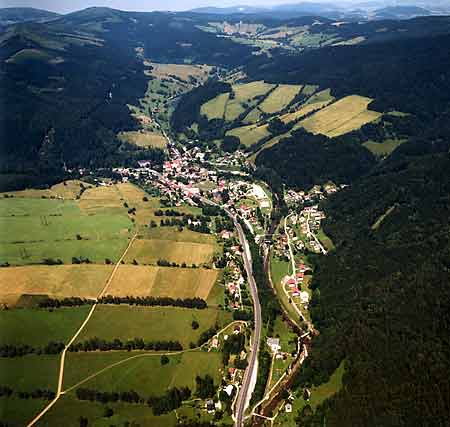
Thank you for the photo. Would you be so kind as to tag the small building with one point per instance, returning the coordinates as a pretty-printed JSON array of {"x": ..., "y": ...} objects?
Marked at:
[
  {"x": 229, "y": 389},
  {"x": 274, "y": 344},
  {"x": 210, "y": 406},
  {"x": 288, "y": 408}
]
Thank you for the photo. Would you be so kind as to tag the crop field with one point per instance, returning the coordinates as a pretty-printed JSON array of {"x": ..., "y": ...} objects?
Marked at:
[
  {"x": 84, "y": 281},
  {"x": 68, "y": 409},
  {"x": 144, "y": 139},
  {"x": 180, "y": 371},
  {"x": 37, "y": 327},
  {"x": 151, "y": 323},
  {"x": 163, "y": 281},
  {"x": 150, "y": 251},
  {"x": 250, "y": 134},
  {"x": 280, "y": 98},
  {"x": 341, "y": 117},
  {"x": 215, "y": 108}
]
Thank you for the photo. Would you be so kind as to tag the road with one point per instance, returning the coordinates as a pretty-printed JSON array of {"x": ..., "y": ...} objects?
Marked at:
[
  {"x": 250, "y": 373},
  {"x": 248, "y": 384},
  {"x": 59, "y": 391}
]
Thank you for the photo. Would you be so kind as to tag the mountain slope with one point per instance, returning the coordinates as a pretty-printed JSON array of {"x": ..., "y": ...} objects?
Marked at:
[{"x": 14, "y": 15}]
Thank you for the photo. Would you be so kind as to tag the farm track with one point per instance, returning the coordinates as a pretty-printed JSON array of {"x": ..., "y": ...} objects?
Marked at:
[{"x": 59, "y": 391}]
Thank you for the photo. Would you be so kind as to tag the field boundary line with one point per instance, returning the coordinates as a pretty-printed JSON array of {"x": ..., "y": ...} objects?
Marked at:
[{"x": 75, "y": 336}]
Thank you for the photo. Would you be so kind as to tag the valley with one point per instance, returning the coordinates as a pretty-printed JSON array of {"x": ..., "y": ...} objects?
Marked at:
[{"x": 216, "y": 219}]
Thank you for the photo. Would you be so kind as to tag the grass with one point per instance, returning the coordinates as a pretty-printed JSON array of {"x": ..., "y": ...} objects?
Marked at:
[
  {"x": 37, "y": 327},
  {"x": 18, "y": 412},
  {"x": 182, "y": 71},
  {"x": 150, "y": 251},
  {"x": 318, "y": 395},
  {"x": 215, "y": 108},
  {"x": 250, "y": 134},
  {"x": 280, "y": 98},
  {"x": 144, "y": 139},
  {"x": 151, "y": 323},
  {"x": 30, "y": 372},
  {"x": 341, "y": 117},
  {"x": 172, "y": 234},
  {"x": 325, "y": 240},
  {"x": 68, "y": 410},
  {"x": 70, "y": 190},
  {"x": 56, "y": 281},
  {"x": 143, "y": 374},
  {"x": 385, "y": 148},
  {"x": 163, "y": 281}
]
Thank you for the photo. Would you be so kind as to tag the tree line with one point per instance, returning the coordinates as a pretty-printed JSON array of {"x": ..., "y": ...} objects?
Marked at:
[
  {"x": 197, "y": 303},
  {"x": 8, "y": 350},
  {"x": 99, "y": 344},
  {"x": 6, "y": 391}
]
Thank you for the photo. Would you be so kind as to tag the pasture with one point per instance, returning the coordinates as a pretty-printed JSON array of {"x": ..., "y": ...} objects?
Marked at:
[
  {"x": 37, "y": 327},
  {"x": 181, "y": 71},
  {"x": 383, "y": 149},
  {"x": 68, "y": 409},
  {"x": 129, "y": 375},
  {"x": 215, "y": 108},
  {"x": 162, "y": 282},
  {"x": 151, "y": 323},
  {"x": 280, "y": 98},
  {"x": 250, "y": 134},
  {"x": 84, "y": 281},
  {"x": 144, "y": 139},
  {"x": 341, "y": 117},
  {"x": 69, "y": 190},
  {"x": 172, "y": 234}
]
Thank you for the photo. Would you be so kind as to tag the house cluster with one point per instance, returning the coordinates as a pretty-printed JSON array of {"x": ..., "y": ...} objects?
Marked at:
[
  {"x": 293, "y": 285},
  {"x": 315, "y": 194},
  {"x": 235, "y": 280}
]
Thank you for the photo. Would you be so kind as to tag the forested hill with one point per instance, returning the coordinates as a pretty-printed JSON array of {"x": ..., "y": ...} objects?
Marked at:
[
  {"x": 68, "y": 82},
  {"x": 383, "y": 298}
]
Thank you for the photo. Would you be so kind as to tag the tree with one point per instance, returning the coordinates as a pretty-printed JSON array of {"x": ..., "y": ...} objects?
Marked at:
[
  {"x": 195, "y": 325},
  {"x": 108, "y": 412},
  {"x": 84, "y": 422},
  {"x": 230, "y": 143},
  {"x": 164, "y": 360}
]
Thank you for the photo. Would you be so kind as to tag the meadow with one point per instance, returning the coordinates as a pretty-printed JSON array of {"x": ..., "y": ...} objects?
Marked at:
[
  {"x": 341, "y": 117},
  {"x": 37, "y": 327},
  {"x": 215, "y": 108},
  {"x": 140, "y": 372},
  {"x": 250, "y": 134},
  {"x": 144, "y": 139},
  {"x": 280, "y": 98},
  {"x": 383, "y": 149},
  {"x": 151, "y": 323}
]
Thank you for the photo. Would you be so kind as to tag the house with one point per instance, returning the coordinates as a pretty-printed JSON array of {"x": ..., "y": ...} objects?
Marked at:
[
  {"x": 304, "y": 297},
  {"x": 291, "y": 282},
  {"x": 210, "y": 406},
  {"x": 237, "y": 330},
  {"x": 229, "y": 389},
  {"x": 274, "y": 344},
  {"x": 288, "y": 408},
  {"x": 215, "y": 343},
  {"x": 225, "y": 234},
  {"x": 232, "y": 373}
]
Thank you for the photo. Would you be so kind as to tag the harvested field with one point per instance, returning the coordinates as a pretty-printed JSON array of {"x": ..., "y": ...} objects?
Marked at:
[
  {"x": 162, "y": 282},
  {"x": 150, "y": 251},
  {"x": 341, "y": 117},
  {"x": 58, "y": 281}
]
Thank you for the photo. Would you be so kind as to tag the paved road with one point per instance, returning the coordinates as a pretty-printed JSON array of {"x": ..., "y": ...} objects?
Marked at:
[{"x": 247, "y": 384}]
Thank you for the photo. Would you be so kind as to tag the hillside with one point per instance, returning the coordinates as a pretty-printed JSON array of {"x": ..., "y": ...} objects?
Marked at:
[{"x": 14, "y": 15}]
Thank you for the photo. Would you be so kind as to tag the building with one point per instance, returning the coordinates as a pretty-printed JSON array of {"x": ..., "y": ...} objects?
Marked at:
[{"x": 274, "y": 344}]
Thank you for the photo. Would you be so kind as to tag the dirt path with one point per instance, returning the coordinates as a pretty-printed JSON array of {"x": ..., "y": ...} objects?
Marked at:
[{"x": 59, "y": 391}]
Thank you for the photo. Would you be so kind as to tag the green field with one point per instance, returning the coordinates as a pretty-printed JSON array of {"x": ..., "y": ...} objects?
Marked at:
[
  {"x": 37, "y": 327},
  {"x": 250, "y": 134},
  {"x": 215, "y": 108},
  {"x": 318, "y": 396},
  {"x": 68, "y": 410},
  {"x": 18, "y": 412},
  {"x": 33, "y": 229},
  {"x": 143, "y": 373},
  {"x": 383, "y": 149},
  {"x": 30, "y": 372},
  {"x": 151, "y": 323},
  {"x": 280, "y": 98}
]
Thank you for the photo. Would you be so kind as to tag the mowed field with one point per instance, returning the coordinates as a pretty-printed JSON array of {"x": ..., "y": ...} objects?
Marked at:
[
  {"x": 215, "y": 108},
  {"x": 59, "y": 281},
  {"x": 144, "y": 139},
  {"x": 280, "y": 98},
  {"x": 37, "y": 327},
  {"x": 151, "y": 323},
  {"x": 341, "y": 117},
  {"x": 163, "y": 282},
  {"x": 250, "y": 134}
]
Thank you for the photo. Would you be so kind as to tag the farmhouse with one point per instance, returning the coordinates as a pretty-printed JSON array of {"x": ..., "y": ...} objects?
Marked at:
[{"x": 274, "y": 344}]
